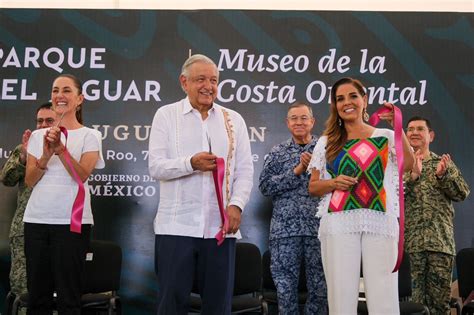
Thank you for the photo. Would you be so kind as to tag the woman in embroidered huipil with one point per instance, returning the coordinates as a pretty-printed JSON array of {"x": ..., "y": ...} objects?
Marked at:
[{"x": 354, "y": 170}]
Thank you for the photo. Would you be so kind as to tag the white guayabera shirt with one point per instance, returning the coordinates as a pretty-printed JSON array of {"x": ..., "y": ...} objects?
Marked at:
[{"x": 188, "y": 203}]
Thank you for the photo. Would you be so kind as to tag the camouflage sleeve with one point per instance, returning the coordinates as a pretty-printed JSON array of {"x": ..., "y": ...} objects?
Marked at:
[
  {"x": 409, "y": 185},
  {"x": 13, "y": 170},
  {"x": 453, "y": 184}
]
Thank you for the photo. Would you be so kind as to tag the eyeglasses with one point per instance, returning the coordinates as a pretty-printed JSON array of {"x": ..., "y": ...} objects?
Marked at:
[
  {"x": 48, "y": 121},
  {"x": 419, "y": 129},
  {"x": 303, "y": 118}
]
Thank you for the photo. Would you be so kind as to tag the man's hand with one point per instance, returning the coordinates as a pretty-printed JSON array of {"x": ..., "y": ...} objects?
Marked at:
[
  {"x": 24, "y": 145},
  {"x": 305, "y": 158},
  {"x": 417, "y": 166},
  {"x": 234, "y": 215},
  {"x": 443, "y": 165},
  {"x": 204, "y": 161}
]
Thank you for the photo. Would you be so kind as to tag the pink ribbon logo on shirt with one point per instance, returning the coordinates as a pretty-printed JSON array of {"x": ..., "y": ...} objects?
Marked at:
[
  {"x": 78, "y": 205},
  {"x": 218, "y": 175},
  {"x": 398, "y": 129}
]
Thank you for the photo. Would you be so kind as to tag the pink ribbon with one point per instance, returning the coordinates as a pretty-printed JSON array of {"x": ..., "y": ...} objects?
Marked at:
[
  {"x": 78, "y": 205},
  {"x": 398, "y": 129},
  {"x": 218, "y": 175}
]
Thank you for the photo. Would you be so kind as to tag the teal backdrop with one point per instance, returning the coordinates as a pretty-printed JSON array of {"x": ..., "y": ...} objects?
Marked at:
[{"x": 130, "y": 60}]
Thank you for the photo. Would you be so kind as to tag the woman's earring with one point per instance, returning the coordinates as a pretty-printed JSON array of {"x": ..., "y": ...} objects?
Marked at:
[
  {"x": 339, "y": 122},
  {"x": 366, "y": 115}
]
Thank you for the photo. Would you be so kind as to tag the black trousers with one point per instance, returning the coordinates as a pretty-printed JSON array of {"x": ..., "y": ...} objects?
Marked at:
[
  {"x": 55, "y": 260},
  {"x": 178, "y": 259}
]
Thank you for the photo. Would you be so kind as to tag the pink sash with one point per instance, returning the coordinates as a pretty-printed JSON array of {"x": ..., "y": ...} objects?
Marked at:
[
  {"x": 218, "y": 175},
  {"x": 398, "y": 129},
  {"x": 78, "y": 205}
]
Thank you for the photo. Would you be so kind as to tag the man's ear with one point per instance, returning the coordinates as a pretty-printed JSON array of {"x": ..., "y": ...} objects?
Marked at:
[
  {"x": 432, "y": 135},
  {"x": 183, "y": 81}
]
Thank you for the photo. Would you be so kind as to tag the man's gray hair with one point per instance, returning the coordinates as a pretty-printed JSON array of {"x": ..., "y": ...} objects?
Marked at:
[
  {"x": 300, "y": 104},
  {"x": 193, "y": 59}
]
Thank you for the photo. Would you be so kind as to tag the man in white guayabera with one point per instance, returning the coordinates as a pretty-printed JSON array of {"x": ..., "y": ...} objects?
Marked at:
[{"x": 186, "y": 140}]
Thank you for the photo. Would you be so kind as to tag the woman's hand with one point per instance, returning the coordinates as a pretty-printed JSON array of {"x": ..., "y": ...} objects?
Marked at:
[
  {"x": 48, "y": 150},
  {"x": 344, "y": 182},
  {"x": 409, "y": 158},
  {"x": 388, "y": 117},
  {"x": 53, "y": 140}
]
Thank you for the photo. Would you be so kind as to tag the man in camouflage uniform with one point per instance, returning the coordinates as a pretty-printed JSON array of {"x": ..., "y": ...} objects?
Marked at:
[
  {"x": 431, "y": 187},
  {"x": 13, "y": 173},
  {"x": 294, "y": 225}
]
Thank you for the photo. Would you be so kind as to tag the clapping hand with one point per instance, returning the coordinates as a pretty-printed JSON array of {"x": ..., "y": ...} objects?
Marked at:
[
  {"x": 443, "y": 165},
  {"x": 305, "y": 158},
  {"x": 24, "y": 145},
  {"x": 417, "y": 166},
  {"x": 52, "y": 141}
]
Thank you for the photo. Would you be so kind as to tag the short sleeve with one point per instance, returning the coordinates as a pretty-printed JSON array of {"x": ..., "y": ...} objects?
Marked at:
[
  {"x": 391, "y": 173},
  {"x": 318, "y": 158},
  {"x": 390, "y": 134},
  {"x": 92, "y": 143},
  {"x": 391, "y": 146}
]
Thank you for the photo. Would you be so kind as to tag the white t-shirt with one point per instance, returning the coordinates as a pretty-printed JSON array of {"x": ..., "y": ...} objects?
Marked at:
[
  {"x": 53, "y": 195},
  {"x": 360, "y": 220}
]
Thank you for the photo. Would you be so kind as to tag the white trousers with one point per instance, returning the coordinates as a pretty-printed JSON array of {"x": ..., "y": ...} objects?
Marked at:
[{"x": 341, "y": 255}]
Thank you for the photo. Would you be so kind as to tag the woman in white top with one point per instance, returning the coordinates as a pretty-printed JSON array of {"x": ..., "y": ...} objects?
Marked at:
[
  {"x": 354, "y": 170},
  {"x": 55, "y": 256}
]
